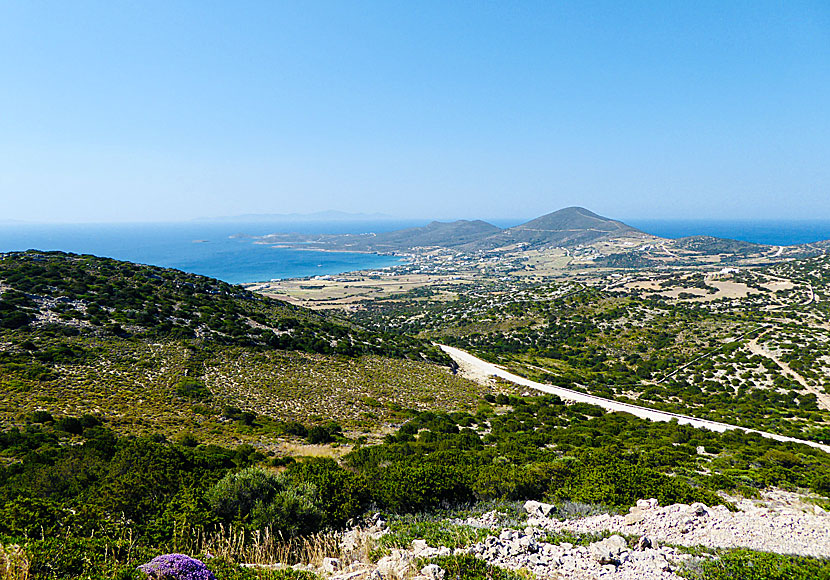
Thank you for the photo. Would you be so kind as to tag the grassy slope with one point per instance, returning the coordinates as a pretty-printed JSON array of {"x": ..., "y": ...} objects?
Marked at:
[{"x": 80, "y": 334}]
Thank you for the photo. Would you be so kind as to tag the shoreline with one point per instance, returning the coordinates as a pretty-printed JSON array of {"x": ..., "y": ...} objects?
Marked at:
[
  {"x": 329, "y": 250},
  {"x": 312, "y": 277}
]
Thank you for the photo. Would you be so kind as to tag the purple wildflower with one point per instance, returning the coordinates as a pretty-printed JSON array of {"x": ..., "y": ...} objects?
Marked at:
[{"x": 176, "y": 567}]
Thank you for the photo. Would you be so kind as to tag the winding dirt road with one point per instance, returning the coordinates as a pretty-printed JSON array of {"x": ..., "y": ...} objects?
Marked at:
[
  {"x": 822, "y": 398},
  {"x": 481, "y": 370}
]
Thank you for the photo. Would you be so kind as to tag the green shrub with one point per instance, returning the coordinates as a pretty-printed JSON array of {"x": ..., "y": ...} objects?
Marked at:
[
  {"x": 71, "y": 425},
  {"x": 512, "y": 482},
  {"x": 294, "y": 428},
  {"x": 31, "y": 517},
  {"x": 190, "y": 388},
  {"x": 608, "y": 480},
  {"x": 259, "y": 499},
  {"x": 247, "y": 418},
  {"x": 748, "y": 565},
  {"x": 415, "y": 486},
  {"x": 343, "y": 495},
  {"x": 70, "y": 558},
  {"x": 41, "y": 417},
  {"x": 13, "y": 320},
  {"x": 466, "y": 567},
  {"x": 324, "y": 433},
  {"x": 435, "y": 529},
  {"x": 142, "y": 475},
  {"x": 225, "y": 570}
]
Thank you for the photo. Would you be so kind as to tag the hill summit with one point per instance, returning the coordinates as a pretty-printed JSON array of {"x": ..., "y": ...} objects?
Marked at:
[
  {"x": 573, "y": 219},
  {"x": 567, "y": 227}
]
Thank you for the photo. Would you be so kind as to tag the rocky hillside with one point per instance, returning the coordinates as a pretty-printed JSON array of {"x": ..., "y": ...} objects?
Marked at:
[
  {"x": 153, "y": 349},
  {"x": 71, "y": 294},
  {"x": 673, "y": 542}
]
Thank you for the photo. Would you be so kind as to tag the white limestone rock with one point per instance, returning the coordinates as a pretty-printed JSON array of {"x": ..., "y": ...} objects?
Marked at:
[{"x": 609, "y": 550}]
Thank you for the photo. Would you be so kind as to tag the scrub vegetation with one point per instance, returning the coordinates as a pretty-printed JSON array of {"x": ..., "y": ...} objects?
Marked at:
[
  {"x": 160, "y": 494},
  {"x": 655, "y": 340},
  {"x": 155, "y": 350},
  {"x": 147, "y": 411}
]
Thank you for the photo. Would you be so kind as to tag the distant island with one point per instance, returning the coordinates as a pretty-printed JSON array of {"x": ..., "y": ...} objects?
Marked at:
[
  {"x": 318, "y": 216},
  {"x": 578, "y": 233}
]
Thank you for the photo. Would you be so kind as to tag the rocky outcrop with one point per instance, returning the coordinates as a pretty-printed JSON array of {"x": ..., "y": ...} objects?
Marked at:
[
  {"x": 607, "y": 558},
  {"x": 638, "y": 546},
  {"x": 756, "y": 527},
  {"x": 612, "y": 550}
]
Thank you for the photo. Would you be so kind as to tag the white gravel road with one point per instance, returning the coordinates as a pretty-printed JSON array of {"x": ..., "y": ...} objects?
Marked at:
[{"x": 480, "y": 369}]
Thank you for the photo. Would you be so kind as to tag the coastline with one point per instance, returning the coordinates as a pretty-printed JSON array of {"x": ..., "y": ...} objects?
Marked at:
[
  {"x": 330, "y": 250},
  {"x": 360, "y": 272}
]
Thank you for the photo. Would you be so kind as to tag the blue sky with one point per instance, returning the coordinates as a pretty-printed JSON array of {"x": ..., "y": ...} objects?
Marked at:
[{"x": 142, "y": 110}]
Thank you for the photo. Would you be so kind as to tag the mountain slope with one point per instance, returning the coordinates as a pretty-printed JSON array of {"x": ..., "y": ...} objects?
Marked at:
[
  {"x": 712, "y": 245},
  {"x": 101, "y": 296},
  {"x": 567, "y": 227},
  {"x": 154, "y": 349},
  {"x": 444, "y": 234}
]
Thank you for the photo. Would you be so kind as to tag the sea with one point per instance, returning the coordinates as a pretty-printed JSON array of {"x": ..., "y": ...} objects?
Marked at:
[
  {"x": 225, "y": 250},
  {"x": 770, "y": 232}
]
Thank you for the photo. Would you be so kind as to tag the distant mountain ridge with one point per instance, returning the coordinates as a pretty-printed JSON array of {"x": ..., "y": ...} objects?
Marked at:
[
  {"x": 573, "y": 218},
  {"x": 444, "y": 234},
  {"x": 567, "y": 227},
  {"x": 570, "y": 227},
  {"x": 328, "y": 215}
]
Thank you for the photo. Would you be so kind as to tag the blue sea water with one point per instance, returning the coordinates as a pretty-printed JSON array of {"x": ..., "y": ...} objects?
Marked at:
[
  {"x": 211, "y": 248},
  {"x": 207, "y": 248},
  {"x": 771, "y": 232}
]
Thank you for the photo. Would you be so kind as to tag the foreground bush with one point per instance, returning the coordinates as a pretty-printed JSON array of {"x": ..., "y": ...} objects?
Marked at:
[
  {"x": 342, "y": 495},
  {"x": 68, "y": 558},
  {"x": 259, "y": 499},
  {"x": 99, "y": 559}
]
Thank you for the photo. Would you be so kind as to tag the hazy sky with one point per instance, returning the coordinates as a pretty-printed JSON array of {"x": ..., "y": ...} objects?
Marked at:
[{"x": 170, "y": 110}]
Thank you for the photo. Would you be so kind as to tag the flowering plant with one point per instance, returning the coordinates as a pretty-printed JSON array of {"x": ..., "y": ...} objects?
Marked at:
[{"x": 176, "y": 567}]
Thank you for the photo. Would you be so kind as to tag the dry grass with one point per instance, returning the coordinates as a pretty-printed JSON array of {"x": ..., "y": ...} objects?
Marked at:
[
  {"x": 363, "y": 393},
  {"x": 291, "y": 449},
  {"x": 267, "y": 548},
  {"x": 346, "y": 291},
  {"x": 262, "y": 548},
  {"x": 14, "y": 565},
  {"x": 131, "y": 385}
]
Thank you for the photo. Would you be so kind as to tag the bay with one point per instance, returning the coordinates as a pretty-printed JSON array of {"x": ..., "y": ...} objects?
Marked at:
[{"x": 211, "y": 249}]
